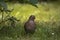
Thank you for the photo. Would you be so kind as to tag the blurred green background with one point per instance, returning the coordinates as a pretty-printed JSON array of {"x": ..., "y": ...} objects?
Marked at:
[{"x": 47, "y": 19}]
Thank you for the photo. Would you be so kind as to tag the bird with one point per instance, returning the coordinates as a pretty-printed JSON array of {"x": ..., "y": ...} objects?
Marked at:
[{"x": 29, "y": 25}]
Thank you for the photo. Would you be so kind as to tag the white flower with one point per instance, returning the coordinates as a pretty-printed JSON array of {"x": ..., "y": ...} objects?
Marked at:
[{"x": 53, "y": 33}]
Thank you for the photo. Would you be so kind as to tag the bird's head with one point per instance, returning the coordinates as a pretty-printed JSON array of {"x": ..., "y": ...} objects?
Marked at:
[{"x": 32, "y": 17}]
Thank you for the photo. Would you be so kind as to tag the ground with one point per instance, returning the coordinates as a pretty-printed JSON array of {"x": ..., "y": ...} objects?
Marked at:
[{"x": 47, "y": 22}]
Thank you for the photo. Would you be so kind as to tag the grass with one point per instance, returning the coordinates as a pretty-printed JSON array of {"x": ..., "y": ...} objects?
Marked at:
[
  {"x": 45, "y": 10},
  {"x": 47, "y": 22}
]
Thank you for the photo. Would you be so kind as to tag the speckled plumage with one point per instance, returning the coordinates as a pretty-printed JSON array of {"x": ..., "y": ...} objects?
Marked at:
[{"x": 29, "y": 26}]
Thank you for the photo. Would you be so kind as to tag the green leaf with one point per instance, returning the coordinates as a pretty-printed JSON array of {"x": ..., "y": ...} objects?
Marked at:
[
  {"x": 33, "y": 3},
  {"x": 3, "y": 5}
]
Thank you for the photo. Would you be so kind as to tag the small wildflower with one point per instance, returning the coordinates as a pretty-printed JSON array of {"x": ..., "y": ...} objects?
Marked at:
[{"x": 52, "y": 33}]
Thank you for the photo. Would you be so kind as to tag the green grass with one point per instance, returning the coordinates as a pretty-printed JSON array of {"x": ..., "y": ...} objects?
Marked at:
[
  {"x": 43, "y": 12},
  {"x": 47, "y": 22}
]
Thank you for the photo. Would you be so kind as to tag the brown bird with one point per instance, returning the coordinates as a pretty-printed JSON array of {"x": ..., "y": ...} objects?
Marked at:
[{"x": 29, "y": 26}]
